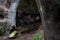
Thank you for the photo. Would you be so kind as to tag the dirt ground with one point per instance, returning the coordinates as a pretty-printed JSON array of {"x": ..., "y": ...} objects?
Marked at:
[{"x": 24, "y": 36}]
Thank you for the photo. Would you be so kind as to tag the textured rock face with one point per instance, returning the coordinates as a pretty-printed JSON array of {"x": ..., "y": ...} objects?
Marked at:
[
  {"x": 4, "y": 7},
  {"x": 51, "y": 18},
  {"x": 27, "y": 6}
]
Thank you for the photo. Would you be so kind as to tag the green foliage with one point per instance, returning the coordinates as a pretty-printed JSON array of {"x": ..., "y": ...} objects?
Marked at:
[
  {"x": 1, "y": 28},
  {"x": 38, "y": 36}
]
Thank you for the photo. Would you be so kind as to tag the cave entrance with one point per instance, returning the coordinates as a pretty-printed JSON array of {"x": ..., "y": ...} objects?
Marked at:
[{"x": 28, "y": 14}]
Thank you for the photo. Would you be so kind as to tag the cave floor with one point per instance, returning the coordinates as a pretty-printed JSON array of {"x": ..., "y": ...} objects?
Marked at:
[{"x": 24, "y": 36}]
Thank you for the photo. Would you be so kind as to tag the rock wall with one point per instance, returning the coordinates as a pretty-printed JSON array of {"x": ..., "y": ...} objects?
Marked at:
[{"x": 50, "y": 16}]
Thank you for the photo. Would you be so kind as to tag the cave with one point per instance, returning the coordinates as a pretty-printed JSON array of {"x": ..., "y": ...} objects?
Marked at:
[
  {"x": 28, "y": 14},
  {"x": 48, "y": 12}
]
